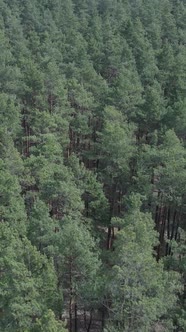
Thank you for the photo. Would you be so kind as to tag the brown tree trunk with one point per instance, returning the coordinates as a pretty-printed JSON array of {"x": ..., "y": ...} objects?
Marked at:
[
  {"x": 75, "y": 318},
  {"x": 102, "y": 319},
  {"x": 109, "y": 237},
  {"x": 71, "y": 298},
  {"x": 168, "y": 230},
  {"x": 90, "y": 321}
]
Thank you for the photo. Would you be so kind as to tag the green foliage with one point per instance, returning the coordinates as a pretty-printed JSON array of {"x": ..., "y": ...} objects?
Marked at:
[
  {"x": 140, "y": 288},
  {"x": 92, "y": 109},
  {"x": 79, "y": 262},
  {"x": 116, "y": 143},
  {"x": 28, "y": 281},
  {"x": 48, "y": 323}
]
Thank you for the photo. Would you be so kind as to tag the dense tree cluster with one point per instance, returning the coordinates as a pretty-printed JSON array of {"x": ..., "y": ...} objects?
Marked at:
[{"x": 92, "y": 165}]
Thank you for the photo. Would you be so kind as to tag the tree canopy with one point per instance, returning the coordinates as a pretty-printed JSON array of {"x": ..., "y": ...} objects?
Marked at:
[{"x": 92, "y": 165}]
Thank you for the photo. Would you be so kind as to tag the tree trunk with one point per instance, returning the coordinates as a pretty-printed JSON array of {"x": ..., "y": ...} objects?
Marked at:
[
  {"x": 90, "y": 321},
  {"x": 168, "y": 230},
  {"x": 75, "y": 318},
  {"x": 71, "y": 298}
]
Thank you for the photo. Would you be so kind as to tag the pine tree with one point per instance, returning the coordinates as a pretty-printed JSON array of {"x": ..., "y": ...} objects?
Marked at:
[{"x": 141, "y": 290}]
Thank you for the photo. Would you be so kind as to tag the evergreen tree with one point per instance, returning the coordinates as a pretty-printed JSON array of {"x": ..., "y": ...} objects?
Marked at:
[
  {"x": 141, "y": 290},
  {"x": 92, "y": 109}
]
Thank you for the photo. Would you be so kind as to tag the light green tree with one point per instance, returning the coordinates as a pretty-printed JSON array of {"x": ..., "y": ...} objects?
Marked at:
[{"x": 140, "y": 289}]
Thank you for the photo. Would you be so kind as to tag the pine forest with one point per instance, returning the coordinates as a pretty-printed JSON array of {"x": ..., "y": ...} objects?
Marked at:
[{"x": 92, "y": 165}]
